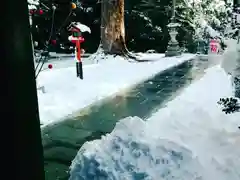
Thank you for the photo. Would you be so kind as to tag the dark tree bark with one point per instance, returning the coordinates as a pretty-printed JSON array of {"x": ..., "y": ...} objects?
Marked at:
[
  {"x": 22, "y": 145},
  {"x": 113, "y": 28}
]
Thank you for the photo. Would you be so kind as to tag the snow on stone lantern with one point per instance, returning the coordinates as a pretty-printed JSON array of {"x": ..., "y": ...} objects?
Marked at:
[{"x": 173, "y": 48}]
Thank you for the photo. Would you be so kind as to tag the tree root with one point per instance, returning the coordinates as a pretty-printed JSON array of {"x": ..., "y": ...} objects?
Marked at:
[
  {"x": 127, "y": 55},
  {"x": 134, "y": 57}
]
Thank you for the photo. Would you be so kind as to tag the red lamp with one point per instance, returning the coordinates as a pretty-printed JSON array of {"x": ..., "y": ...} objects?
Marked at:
[
  {"x": 50, "y": 66},
  {"x": 40, "y": 12}
]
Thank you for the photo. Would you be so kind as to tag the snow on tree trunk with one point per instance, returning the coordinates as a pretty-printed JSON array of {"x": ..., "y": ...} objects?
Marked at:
[{"x": 113, "y": 28}]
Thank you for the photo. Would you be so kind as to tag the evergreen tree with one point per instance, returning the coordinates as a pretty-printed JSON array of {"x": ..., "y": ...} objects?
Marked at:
[
  {"x": 145, "y": 22},
  {"x": 50, "y": 20}
]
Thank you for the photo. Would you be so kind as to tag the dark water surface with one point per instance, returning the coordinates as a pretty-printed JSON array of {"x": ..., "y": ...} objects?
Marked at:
[{"x": 62, "y": 141}]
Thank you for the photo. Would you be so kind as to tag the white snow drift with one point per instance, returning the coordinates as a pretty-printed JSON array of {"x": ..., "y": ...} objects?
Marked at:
[
  {"x": 190, "y": 139},
  {"x": 66, "y": 94}
]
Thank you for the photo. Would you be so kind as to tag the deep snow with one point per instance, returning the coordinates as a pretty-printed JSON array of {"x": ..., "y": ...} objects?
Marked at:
[
  {"x": 231, "y": 60},
  {"x": 66, "y": 94},
  {"x": 189, "y": 139}
]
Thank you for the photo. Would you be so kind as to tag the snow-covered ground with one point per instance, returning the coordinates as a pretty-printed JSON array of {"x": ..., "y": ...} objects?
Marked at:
[
  {"x": 63, "y": 62},
  {"x": 189, "y": 139},
  {"x": 65, "y": 93},
  {"x": 231, "y": 61}
]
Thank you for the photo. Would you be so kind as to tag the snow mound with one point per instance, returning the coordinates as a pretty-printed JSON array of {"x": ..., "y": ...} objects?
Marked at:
[
  {"x": 189, "y": 139},
  {"x": 231, "y": 58},
  {"x": 129, "y": 153}
]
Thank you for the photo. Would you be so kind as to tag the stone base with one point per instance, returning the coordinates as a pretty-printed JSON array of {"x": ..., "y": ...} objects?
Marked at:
[{"x": 173, "y": 50}]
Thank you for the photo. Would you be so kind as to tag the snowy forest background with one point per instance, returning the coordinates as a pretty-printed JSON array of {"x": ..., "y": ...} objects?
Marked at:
[{"x": 145, "y": 23}]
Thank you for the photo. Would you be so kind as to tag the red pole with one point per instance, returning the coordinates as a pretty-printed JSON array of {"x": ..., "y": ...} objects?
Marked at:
[
  {"x": 78, "y": 50},
  {"x": 79, "y": 62}
]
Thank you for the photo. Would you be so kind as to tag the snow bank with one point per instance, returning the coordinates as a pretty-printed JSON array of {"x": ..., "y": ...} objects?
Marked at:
[
  {"x": 152, "y": 56},
  {"x": 129, "y": 154},
  {"x": 189, "y": 139},
  {"x": 195, "y": 121},
  {"x": 231, "y": 60},
  {"x": 67, "y": 94}
]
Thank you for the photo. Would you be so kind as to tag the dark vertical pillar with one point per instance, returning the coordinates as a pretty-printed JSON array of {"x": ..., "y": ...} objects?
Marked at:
[
  {"x": 236, "y": 2},
  {"x": 20, "y": 126}
]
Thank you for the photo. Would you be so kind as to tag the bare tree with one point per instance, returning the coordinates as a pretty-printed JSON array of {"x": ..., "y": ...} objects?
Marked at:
[{"x": 113, "y": 28}]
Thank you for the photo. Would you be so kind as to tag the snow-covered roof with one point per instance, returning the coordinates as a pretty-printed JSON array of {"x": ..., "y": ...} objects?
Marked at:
[
  {"x": 32, "y": 4},
  {"x": 35, "y": 2},
  {"x": 81, "y": 27}
]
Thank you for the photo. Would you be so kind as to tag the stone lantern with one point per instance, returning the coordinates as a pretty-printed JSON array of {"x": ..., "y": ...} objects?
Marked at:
[{"x": 173, "y": 48}]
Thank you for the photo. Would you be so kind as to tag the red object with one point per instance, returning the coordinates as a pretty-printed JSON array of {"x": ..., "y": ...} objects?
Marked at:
[
  {"x": 40, "y": 11},
  {"x": 81, "y": 39},
  {"x": 213, "y": 45},
  {"x": 54, "y": 42},
  {"x": 78, "y": 50},
  {"x": 213, "y": 48},
  {"x": 74, "y": 29},
  {"x": 78, "y": 41},
  {"x": 50, "y": 66},
  {"x": 31, "y": 11}
]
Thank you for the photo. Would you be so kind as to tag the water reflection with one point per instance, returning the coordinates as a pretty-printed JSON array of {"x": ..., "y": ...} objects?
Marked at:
[{"x": 62, "y": 141}]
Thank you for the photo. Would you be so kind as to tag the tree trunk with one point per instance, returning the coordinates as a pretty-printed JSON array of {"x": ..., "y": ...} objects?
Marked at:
[{"x": 112, "y": 28}]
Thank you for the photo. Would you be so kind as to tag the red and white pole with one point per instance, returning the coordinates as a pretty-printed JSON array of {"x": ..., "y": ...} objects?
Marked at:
[
  {"x": 77, "y": 39},
  {"x": 79, "y": 67}
]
